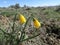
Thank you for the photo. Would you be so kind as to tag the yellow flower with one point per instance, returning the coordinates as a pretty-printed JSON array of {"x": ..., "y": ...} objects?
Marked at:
[
  {"x": 36, "y": 23},
  {"x": 22, "y": 19}
]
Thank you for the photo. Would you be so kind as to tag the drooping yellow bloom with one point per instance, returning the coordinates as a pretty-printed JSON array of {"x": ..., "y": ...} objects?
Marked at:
[
  {"x": 36, "y": 23},
  {"x": 22, "y": 19}
]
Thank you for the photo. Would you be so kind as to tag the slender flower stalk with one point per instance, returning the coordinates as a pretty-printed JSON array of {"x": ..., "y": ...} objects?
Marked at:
[{"x": 36, "y": 23}]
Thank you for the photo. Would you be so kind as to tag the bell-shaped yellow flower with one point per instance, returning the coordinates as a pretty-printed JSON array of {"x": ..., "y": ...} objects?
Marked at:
[
  {"x": 22, "y": 19},
  {"x": 36, "y": 23}
]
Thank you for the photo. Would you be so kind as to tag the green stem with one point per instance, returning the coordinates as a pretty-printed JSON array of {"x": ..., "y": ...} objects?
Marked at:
[
  {"x": 13, "y": 23},
  {"x": 31, "y": 37},
  {"x": 24, "y": 29},
  {"x": 7, "y": 33},
  {"x": 4, "y": 32},
  {"x": 22, "y": 32}
]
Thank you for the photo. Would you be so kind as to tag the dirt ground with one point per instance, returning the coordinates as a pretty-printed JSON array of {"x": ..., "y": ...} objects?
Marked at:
[{"x": 49, "y": 32}]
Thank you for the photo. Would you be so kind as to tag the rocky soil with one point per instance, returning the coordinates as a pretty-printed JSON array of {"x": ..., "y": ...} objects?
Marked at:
[{"x": 49, "y": 32}]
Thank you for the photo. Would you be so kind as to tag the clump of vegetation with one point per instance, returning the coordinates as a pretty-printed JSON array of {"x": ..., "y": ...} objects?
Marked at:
[{"x": 16, "y": 37}]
